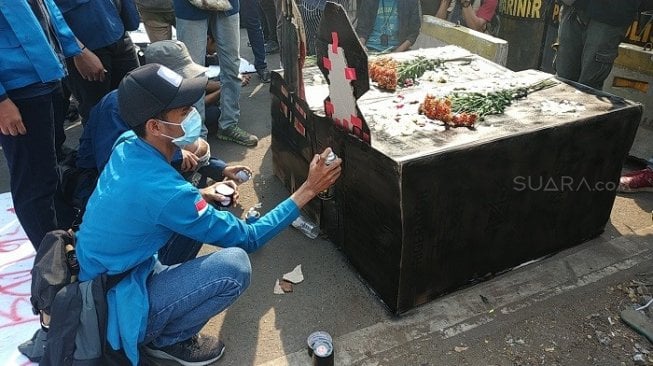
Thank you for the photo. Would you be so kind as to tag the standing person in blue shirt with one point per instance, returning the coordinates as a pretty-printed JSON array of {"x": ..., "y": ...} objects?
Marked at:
[
  {"x": 193, "y": 25},
  {"x": 101, "y": 26},
  {"x": 130, "y": 217},
  {"x": 34, "y": 40},
  {"x": 389, "y": 25}
]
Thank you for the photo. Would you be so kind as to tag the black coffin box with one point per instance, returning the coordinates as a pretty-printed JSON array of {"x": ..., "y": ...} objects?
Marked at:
[{"x": 426, "y": 210}]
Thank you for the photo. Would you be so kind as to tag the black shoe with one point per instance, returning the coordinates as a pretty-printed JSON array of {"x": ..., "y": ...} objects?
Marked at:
[
  {"x": 34, "y": 348},
  {"x": 195, "y": 351},
  {"x": 271, "y": 47},
  {"x": 264, "y": 75}
]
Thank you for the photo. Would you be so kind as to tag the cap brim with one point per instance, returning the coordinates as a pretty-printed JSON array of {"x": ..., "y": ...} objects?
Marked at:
[
  {"x": 190, "y": 91},
  {"x": 193, "y": 70}
]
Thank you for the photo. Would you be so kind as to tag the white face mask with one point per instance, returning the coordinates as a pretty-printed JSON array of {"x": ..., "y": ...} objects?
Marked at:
[{"x": 192, "y": 127}]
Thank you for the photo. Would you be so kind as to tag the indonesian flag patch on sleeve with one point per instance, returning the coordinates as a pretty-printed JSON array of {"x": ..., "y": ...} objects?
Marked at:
[{"x": 201, "y": 206}]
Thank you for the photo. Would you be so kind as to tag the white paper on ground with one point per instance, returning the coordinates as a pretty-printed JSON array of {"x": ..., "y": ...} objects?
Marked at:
[
  {"x": 245, "y": 68},
  {"x": 295, "y": 276},
  {"x": 277, "y": 289},
  {"x": 17, "y": 322}
]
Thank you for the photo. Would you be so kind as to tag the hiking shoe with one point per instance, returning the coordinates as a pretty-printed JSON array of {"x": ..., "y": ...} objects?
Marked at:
[
  {"x": 271, "y": 47},
  {"x": 196, "y": 351},
  {"x": 638, "y": 181},
  {"x": 237, "y": 135},
  {"x": 34, "y": 348},
  {"x": 264, "y": 75}
]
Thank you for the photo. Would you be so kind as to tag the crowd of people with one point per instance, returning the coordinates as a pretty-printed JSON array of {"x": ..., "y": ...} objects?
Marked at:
[{"x": 152, "y": 119}]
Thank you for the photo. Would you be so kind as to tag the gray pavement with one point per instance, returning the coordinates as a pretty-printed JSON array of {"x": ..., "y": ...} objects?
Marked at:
[{"x": 535, "y": 314}]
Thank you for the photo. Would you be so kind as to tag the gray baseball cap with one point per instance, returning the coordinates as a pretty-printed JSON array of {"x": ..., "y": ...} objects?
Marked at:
[
  {"x": 175, "y": 56},
  {"x": 147, "y": 91}
]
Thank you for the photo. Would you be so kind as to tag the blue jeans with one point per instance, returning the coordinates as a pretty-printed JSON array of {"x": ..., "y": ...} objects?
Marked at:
[
  {"x": 250, "y": 16},
  {"x": 184, "y": 297},
  {"x": 226, "y": 32}
]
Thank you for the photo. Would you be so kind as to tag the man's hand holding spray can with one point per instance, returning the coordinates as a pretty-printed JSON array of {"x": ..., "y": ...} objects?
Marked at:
[
  {"x": 309, "y": 228},
  {"x": 227, "y": 190}
]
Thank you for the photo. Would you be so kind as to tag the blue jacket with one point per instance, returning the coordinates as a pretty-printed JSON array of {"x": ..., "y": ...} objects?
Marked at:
[
  {"x": 139, "y": 202},
  {"x": 184, "y": 10},
  {"x": 102, "y": 129},
  {"x": 97, "y": 23},
  {"x": 26, "y": 56}
]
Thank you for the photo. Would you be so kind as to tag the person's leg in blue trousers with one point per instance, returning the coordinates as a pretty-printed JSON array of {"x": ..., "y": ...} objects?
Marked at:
[
  {"x": 33, "y": 167},
  {"x": 184, "y": 297},
  {"x": 227, "y": 37},
  {"x": 193, "y": 34},
  {"x": 252, "y": 22}
]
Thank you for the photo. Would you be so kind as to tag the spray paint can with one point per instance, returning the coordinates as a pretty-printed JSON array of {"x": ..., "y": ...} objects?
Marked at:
[
  {"x": 243, "y": 176},
  {"x": 227, "y": 192},
  {"x": 323, "y": 354},
  {"x": 328, "y": 193},
  {"x": 253, "y": 214},
  {"x": 320, "y": 348}
]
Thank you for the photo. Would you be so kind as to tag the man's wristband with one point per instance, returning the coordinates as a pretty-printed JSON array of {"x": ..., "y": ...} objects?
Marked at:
[{"x": 465, "y": 3}]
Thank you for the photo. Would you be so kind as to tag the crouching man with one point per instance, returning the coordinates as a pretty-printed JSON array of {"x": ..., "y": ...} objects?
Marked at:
[{"x": 142, "y": 204}]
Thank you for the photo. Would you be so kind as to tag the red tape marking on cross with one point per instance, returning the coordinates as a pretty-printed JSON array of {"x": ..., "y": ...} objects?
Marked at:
[
  {"x": 345, "y": 124},
  {"x": 328, "y": 108},
  {"x": 356, "y": 122},
  {"x": 300, "y": 110},
  {"x": 334, "y": 42},
  {"x": 350, "y": 73},
  {"x": 327, "y": 63},
  {"x": 300, "y": 127}
]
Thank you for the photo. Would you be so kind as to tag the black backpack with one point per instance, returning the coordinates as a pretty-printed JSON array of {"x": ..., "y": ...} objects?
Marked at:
[{"x": 77, "y": 331}]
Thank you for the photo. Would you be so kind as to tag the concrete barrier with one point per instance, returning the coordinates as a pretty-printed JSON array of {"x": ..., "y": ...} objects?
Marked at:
[{"x": 437, "y": 32}]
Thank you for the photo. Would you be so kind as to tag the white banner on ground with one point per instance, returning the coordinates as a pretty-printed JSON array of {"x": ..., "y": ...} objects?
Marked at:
[{"x": 17, "y": 322}]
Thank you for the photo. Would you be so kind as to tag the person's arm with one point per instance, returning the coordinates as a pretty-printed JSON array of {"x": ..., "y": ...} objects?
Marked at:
[
  {"x": 320, "y": 177},
  {"x": 188, "y": 161},
  {"x": 231, "y": 171},
  {"x": 89, "y": 65},
  {"x": 366, "y": 17},
  {"x": 471, "y": 20},
  {"x": 405, "y": 46},
  {"x": 410, "y": 22},
  {"x": 213, "y": 86},
  {"x": 442, "y": 10},
  {"x": 212, "y": 96},
  {"x": 11, "y": 122},
  {"x": 188, "y": 213}
]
